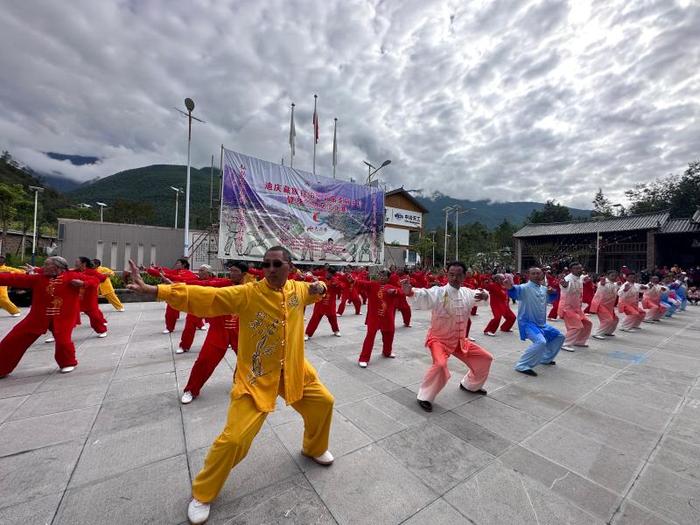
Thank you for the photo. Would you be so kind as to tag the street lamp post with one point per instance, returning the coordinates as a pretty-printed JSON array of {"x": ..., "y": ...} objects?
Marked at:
[
  {"x": 370, "y": 168},
  {"x": 102, "y": 206},
  {"x": 36, "y": 190},
  {"x": 447, "y": 211},
  {"x": 459, "y": 211},
  {"x": 432, "y": 260},
  {"x": 177, "y": 201}
]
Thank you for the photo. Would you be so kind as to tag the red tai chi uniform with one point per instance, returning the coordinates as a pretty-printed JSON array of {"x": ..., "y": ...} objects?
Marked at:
[
  {"x": 172, "y": 315},
  {"x": 55, "y": 305},
  {"x": 326, "y": 307},
  {"x": 349, "y": 293},
  {"x": 381, "y": 309},
  {"x": 500, "y": 309},
  {"x": 401, "y": 303},
  {"x": 88, "y": 302}
]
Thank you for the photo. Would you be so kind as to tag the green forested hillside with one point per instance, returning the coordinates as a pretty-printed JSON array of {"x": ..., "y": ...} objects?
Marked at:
[{"x": 150, "y": 188}]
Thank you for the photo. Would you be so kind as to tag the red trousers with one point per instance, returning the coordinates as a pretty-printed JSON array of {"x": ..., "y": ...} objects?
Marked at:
[
  {"x": 500, "y": 311},
  {"x": 368, "y": 344},
  {"x": 320, "y": 313},
  {"x": 97, "y": 319},
  {"x": 211, "y": 354},
  {"x": 608, "y": 320},
  {"x": 405, "y": 309},
  {"x": 354, "y": 298},
  {"x": 171, "y": 317},
  {"x": 16, "y": 342},
  {"x": 554, "y": 312},
  {"x": 192, "y": 323}
]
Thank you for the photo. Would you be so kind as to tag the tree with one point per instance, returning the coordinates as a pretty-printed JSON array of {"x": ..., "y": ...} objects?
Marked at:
[
  {"x": 601, "y": 205},
  {"x": 130, "y": 212},
  {"x": 551, "y": 212},
  {"x": 10, "y": 196},
  {"x": 503, "y": 234},
  {"x": 678, "y": 193}
]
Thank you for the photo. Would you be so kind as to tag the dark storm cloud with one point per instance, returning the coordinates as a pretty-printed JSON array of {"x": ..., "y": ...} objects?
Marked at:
[{"x": 508, "y": 100}]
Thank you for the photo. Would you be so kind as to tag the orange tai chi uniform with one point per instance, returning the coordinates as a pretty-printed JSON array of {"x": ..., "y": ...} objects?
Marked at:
[{"x": 270, "y": 362}]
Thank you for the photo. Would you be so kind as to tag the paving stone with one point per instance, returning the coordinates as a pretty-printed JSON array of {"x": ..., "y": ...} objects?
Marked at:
[
  {"x": 438, "y": 513},
  {"x": 499, "y": 495},
  {"x": 156, "y": 493},
  {"x": 38, "y": 510},
  {"x": 506, "y": 421},
  {"x": 368, "y": 487},
  {"x": 472, "y": 433},
  {"x": 43, "y": 403},
  {"x": 37, "y": 473},
  {"x": 371, "y": 420},
  {"x": 126, "y": 389},
  {"x": 12, "y": 386},
  {"x": 139, "y": 411},
  {"x": 686, "y": 424},
  {"x": 42, "y": 431},
  {"x": 435, "y": 456},
  {"x": 628, "y": 409},
  {"x": 631, "y": 514},
  {"x": 9, "y": 405},
  {"x": 680, "y": 457},
  {"x": 531, "y": 400},
  {"x": 671, "y": 496}
]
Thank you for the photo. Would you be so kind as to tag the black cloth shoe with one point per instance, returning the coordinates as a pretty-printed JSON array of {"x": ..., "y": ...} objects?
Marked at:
[
  {"x": 528, "y": 372},
  {"x": 481, "y": 391},
  {"x": 425, "y": 405},
  {"x": 550, "y": 363}
]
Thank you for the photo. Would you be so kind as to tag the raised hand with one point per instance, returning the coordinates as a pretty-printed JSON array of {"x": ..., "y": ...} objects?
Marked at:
[
  {"x": 137, "y": 284},
  {"x": 77, "y": 283},
  {"x": 406, "y": 287},
  {"x": 317, "y": 288}
]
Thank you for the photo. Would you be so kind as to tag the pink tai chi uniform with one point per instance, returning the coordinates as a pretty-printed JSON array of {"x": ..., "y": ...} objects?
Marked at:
[
  {"x": 603, "y": 304},
  {"x": 651, "y": 302},
  {"x": 451, "y": 308},
  {"x": 578, "y": 326},
  {"x": 629, "y": 305}
]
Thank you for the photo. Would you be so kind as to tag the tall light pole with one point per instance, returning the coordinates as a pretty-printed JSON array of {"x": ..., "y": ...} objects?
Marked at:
[
  {"x": 459, "y": 211},
  {"x": 36, "y": 190},
  {"x": 189, "y": 104},
  {"x": 370, "y": 168},
  {"x": 177, "y": 201},
  {"x": 447, "y": 211},
  {"x": 597, "y": 238},
  {"x": 432, "y": 261},
  {"x": 102, "y": 206}
]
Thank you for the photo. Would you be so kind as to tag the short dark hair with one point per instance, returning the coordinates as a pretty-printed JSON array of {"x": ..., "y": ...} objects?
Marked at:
[
  {"x": 457, "y": 263},
  {"x": 243, "y": 267},
  {"x": 97, "y": 262},
  {"x": 575, "y": 263},
  {"x": 287, "y": 254},
  {"x": 184, "y": 262},
  {"x": 86, "y": 261}
]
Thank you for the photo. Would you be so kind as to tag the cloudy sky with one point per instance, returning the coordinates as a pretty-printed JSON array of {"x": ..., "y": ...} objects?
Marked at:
[{"x": 504, "y": 99}]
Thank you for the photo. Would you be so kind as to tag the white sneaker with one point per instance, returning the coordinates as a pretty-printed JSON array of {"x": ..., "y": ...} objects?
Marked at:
[
  {"x": 166, "y": 331},
  {"x": 601, "y": 337},
  {"x": 103, "y": 334},
  {"x": 568, "y": 348},
  {"x": 186, "y": 398},
  {"x": 179, "y": 350},
  {"x": 337, "y": 334},
  {"x": 198, "y": 512},
  {"x": 362, "y": 364},
  {"x": 471, "y": 338},
  {"x": 67, "y": 369},
  {"x": 49, "y": 340},
  {"x": 306, "y": 337},
  {"x": 324, "y": 459},
  {"x": 339, "y": 315},
  {"x": 392, "y": 355},
  {"x": 120, "y": 309},
  {"x": 490, "y": 334},
  {"x": 16, "y": 315},
  {"x": 204, "y": 327}
]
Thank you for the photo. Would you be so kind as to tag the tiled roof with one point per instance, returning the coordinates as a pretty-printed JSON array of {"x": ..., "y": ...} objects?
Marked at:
[
  {"x": 647, "y": 221},
  {"x": 680, "y": 226}
]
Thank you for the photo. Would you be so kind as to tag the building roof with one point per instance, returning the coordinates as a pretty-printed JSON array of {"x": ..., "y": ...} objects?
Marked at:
[
  {"x": 680, "y": 226},
  {"x": 646, "y": 221},
  {"x": 403, "y": 192}
]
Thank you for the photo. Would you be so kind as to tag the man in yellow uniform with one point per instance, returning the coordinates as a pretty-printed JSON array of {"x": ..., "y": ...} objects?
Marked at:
[
  {"x": 270, "y": 362},
  {"x": 5, "y": 302},
  {"x": 106, "y": 289}
]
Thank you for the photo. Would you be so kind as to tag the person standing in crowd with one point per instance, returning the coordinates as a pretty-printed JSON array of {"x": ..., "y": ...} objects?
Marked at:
[
  {"x": 88, "y": 297},
  {"x": 628, "y": 302},
  {"x": 106, "y": 289},
  {"x": 326, "y": 306},
  {"x": 451, "y": 306},
  {"x": 401, "y": 303},
  {"x": 532, "y": 323},
  {"x": 179, "y": 273},
  {"x": 603, "y": 304},
  {"x": 270, "y": 362},
  {"x": 498, "y": 299},
  {"x": 651, "y": 301},
  {"x": 5, "y": 302},
  {"x": 192, "y": 322},
  {"x": 55, "y": 307},
  {"x": 381, "y": 310},
  {"x": 349, "y": 293},
  {"x": 578, "y": 326},
  {"x": 223, "y": 332}
]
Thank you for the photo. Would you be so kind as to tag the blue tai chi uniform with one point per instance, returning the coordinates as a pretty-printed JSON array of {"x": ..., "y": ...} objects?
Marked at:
[{"x": 532, "y": 315}]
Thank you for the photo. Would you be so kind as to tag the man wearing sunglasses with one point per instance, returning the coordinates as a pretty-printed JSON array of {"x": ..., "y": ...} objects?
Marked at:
[{"x": 270, "y": 363}]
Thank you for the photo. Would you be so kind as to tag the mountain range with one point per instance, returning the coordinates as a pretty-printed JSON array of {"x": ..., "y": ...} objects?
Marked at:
[{"x": 152, "y": 184}]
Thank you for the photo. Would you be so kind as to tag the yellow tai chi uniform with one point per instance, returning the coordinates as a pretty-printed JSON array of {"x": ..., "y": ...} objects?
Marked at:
[
  {"x": 5, "y": 302},
  {"x": 107, "y": 290},
  {"x": 270, "y": 362}
]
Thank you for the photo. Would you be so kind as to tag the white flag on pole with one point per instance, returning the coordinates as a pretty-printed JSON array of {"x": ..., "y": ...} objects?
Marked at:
[
  {"x": 335, "y": 145},
  {"x": 292, "y": 135}
]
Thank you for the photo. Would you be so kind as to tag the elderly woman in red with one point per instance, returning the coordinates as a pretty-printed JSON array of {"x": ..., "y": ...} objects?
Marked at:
[{"x": 55, "y": 306}]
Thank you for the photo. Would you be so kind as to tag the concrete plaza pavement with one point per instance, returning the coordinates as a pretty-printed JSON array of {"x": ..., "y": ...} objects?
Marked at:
[{"x": 611, "y": 434}]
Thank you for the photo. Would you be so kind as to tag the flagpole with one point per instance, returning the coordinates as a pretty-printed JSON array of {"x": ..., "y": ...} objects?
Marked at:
[
  {"x": 315, "y": 128},
  {"x": 335, "y": 145},
  {"x": 292, "y": 138}
]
